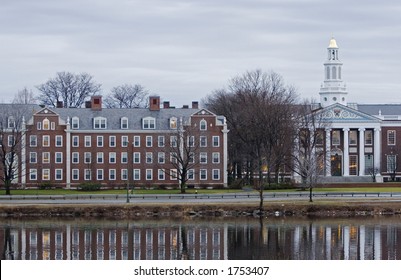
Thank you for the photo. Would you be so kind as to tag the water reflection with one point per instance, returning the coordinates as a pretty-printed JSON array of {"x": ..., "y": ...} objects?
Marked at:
[{"x": 273, "y": 238}]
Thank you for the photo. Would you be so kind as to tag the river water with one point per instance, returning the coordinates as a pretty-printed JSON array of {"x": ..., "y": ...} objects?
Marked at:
[{"x": 274, "y": 238}]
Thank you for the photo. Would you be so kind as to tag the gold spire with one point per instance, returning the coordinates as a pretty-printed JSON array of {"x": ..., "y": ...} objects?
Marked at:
[{"x": 333, "y": 43}]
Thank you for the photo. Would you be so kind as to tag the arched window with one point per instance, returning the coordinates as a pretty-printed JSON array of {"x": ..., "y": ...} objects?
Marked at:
[
  {"x": 46, "y": 124},
  {"x": 75, "y": 122},
  {"x": 327, "y": 73},
  {"x": 203, "y": 125},
  {"x": 334, "y": 72},
  {"x": 339, "y": 72}
]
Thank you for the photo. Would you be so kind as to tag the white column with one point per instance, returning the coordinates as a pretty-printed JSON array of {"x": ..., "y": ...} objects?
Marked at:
[
  {"x": 346, "y": 152},
  {"x": 361, "y": 151},
  {"x": 377, "y": 150},
  {"x": 328, "y": 152},
  {"x": 23, "y": 153},
  {"x": 68, "y": 155}
]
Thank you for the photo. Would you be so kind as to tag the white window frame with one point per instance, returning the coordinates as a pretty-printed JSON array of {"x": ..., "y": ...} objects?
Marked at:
[
  {"x": 99, "y": 123},
  {"x": 75, "y": 174},
  {"x": 88, "y": 141},
  {"x": 112, "y": 157},
  {"x": 46, "y": 155},
  {"x": 149, "y": 123},
  {"x": 214, "y": 173},
  {"x": 124, "y": 157},
  {"x": 87, "y": 174},
  {"x": 216, "y": 141},
  {"x": 136, "y": 157},
  {"x": 112, "y": 175},
  {"x": 75, "y": 140},
  {"x": 46, "y": 141},
  {"x": 161, "y": 141},
  {"x": 149, "y": 174},
  {"x": 99, "y": 141},
  {"x": 87, "y": 157},
  {"x": 46, "y": 124},
  {"x": 112, "y": 141},
  {"x": 75, "y": 123},
  {"x": 216, "y": 157},
  {"x": 191, "y": 174},
  {"x": 203, "y": 141},
  {"x": 58, "y": 174},
  {"x": 59, "y": 140},
  {"x": 203, "y": 174},
  {"x": 149, "y": 157},
  {"x": 124, "y": 174},
  {"x": 391, "y": 137},
  {"x": 100, "y": 157},
  {"x": 161, "y": 174},
  {"x": 124, "y": 141},
  {"x": 136, "y": 174},
  {"x": 124, "y": 123},
  {"x": 33, "y": 157},
  {"x": 203, "y": 125},
  {"x": 203, "y": 157},
  {"x": 33, "y": 174},
  {"x": 137, "y": 141},
  {"x": 75, "y": 157},
  {"x": 161, "y": 157},
  {"x": 46, "y": 174},
  {"x": 149, "y": 141},
  {"x": 33, "y": 141},
  {"x": 58, "y": 157},
  {"x": 99, "y": 174},
  {"x": 173, "y": 123}
]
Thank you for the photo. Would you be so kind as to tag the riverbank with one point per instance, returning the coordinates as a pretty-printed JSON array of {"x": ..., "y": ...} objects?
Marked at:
[{"x": 293, "y": 208}]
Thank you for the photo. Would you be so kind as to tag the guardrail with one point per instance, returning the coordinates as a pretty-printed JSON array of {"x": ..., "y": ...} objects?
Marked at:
[{"x": 200, "y": 196}]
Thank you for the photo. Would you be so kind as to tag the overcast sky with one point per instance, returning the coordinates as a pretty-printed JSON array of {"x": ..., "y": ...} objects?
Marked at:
[{"x": 183, "y": 50}]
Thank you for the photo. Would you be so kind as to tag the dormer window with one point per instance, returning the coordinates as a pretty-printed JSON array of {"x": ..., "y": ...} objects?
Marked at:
[
  {"x": 100, "y": 123},
  {"x": 124, "y": 123},
  {"x": 46, "y": 124},
  {"x": 75, "y": 123},
  {"x": 203, "y": 125},
  {"x": 149, "y": 123},
  {"x": 11, "y": 122},
  {"x": 173, "y": 123}
]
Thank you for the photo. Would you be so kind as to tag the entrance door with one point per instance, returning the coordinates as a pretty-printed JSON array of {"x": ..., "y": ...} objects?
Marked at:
[{"x": 336, "y": 165}]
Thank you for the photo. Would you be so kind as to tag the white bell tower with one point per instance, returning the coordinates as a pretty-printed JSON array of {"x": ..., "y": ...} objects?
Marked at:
[{"x": 333, "y": 89}]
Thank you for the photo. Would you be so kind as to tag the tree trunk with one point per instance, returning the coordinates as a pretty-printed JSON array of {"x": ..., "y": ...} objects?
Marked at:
[
  {"x": 310, "y": 194},
  {"x": 7, "y": 185}
]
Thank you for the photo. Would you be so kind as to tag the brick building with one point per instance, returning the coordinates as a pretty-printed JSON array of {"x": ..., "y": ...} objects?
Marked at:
[{"x": 69, "y": 146}]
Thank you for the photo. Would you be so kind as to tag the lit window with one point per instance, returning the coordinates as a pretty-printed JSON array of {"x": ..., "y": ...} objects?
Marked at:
[
  {"x": 45, "y": 157},
  {"x": 173, "y": 123},
  {"x": 46, "y": 124},
  {"x": 45, "y": 174},
  {"x": 46, "y": 141},
  {"x": 353, "y": 165}
]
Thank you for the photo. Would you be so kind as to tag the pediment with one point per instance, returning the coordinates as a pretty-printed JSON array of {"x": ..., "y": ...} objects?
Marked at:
[
  {"x": 341, "y": 113},
  {"x": 203, "y": 112},
  {"x": 47, "y": 112}
]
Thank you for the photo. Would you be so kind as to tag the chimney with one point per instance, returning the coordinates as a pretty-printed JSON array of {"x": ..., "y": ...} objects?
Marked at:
[
  {"x": 166, "y": 104},
  {"x": 96, "y": 102},
  {"x": 195, "y": 105},
  {"x": 59, "y": 104},
  {"x": 154, "y": 103},
  {"x": 88, "y": 104},
  {"x": 185, "y": 107}
]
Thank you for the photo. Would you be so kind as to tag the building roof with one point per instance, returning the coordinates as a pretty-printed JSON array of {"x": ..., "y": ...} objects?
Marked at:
[{"x": 380, "y": 109}]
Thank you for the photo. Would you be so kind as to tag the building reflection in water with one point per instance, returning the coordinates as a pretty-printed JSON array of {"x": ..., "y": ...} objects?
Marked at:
[{"x": 276, "y": 238}]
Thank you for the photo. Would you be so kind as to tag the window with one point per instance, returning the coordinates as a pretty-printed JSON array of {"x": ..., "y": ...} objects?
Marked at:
[
  {"x": 124, "y": 141},
  {"x": 75, "y": 174},
  {"x": 88, "y": 157},
  {"x": 59, "y": 157},
  {"x": 161, "y": 157},
  {"x": 39, "y": 126},
  {"x": 391, "y": 163},
  {"x": 353, "y": 137},
  {"x": 191, "y": 174},
  {"x": 75, "y": 157},
  {"x": 160, "y": 174},
  {"x": 173, "y": 158},
  {"x": 191, "y": 157},
  {"x": 124, "y": 123},
  {"x": 335, "y": 137},
  {"x": 53, "y": 125},
  {"x": 112, "y": 174},
  {"x": 45, "y": 174},
  {"x": 99, "y": 141},
  {"x": 216, "y": 157},
  {"x": 216, "y": 174},
  {"x": 203, "y": 157},
  {"x": 112, "y": 157},
  {"x": 203, "y": 125},
  {"x": 11, "y": 140},
  {"x": 368, "y": 137},
  {"x": 45, "y": 157},
  {"x": 203, "y": 141},
  {"x": 149, "y": 174},
  {"x": 137, "y": 157},
  {"x": 59, "y": 140},
  {"x": 75, "y": 141},
  {"x": 149, "y": 141},
  {"x": 216, "y": 141},
  {"x": 369, "y": 164},
  {"x": 137, "y": 141},
  {"x": 353, "y": 165},
  {"x": 11, "y": 122},
  {"x": 173, "y": 141},
  {"x": 46, "y": 124},
  {"x": 173, "y": 174},
  {"x": 88, "y": 174},
  {"x": 137, "y": 174},
  {"x": 319, "y": 137},
  {"x": 75, "y": 122},
  {"x": 33, "y": 174},
  {"x": 160, "y": 141},
  {"x": 391, "y": 137},
  {"x": 33, "y": 157},
  {"x": 112, "y": 141},
  {"x": 46, "y": 141},
  {"x": 173, "y": 123},
  {"x": 58, "y": 174},
  {"x": 99, "y": 174},
  {"x": 191, "y": 141},
  {"x": 203, "y": 174},
  {"x": 149, "y": 157},
  {"x": 100, "y": 123},
  {"x": 124, "y": 157},
  {"x": 33, "y": 140},
  {"x": 99, "y": 157},
  {"x": 88, "y": 141},
  {"x": 149, "y": 123},
  {"x": 124, "y": 174}
]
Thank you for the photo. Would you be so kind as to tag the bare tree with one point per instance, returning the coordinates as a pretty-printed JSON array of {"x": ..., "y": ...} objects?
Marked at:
[
  {"x": 68, "y": 88},
  {"x": 309, "y": 159},
  {"x": 181, "y": 150},
  {"x": 257, "y": 108},
  {"x": 12, "y": 135},
  {"x": 24, "y": 96},
  {"x": 127, "y": 96}
]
